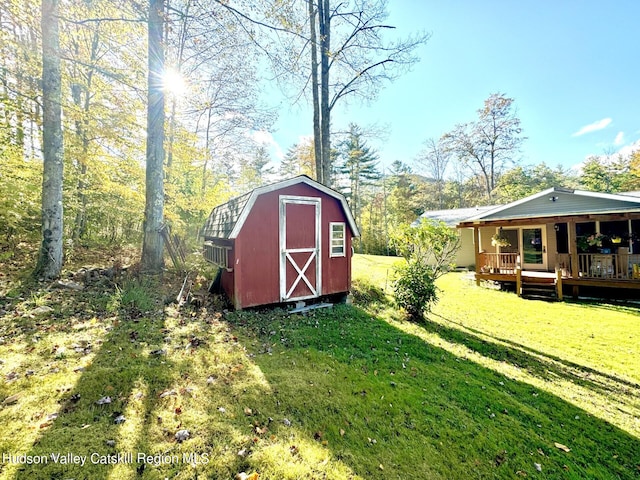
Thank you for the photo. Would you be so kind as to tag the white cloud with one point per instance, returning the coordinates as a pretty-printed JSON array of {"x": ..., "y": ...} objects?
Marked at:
[
  {"x": 629, "y": 149},
  {"x": 593, "y": 127},
  {"x": 619, "y": 139},
  {"x": 262, "y": 137}
]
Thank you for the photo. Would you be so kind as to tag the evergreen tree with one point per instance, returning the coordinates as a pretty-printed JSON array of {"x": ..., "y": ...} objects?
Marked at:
[
  {"x": 299, "y": 160},
  {"x": 359, "y": 165}
]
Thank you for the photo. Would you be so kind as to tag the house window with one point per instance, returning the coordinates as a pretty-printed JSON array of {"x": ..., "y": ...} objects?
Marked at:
[{"x": 337, "y": 240}]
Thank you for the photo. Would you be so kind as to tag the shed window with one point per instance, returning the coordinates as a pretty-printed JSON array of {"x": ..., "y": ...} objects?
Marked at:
[{"x": 337, "y": 240}]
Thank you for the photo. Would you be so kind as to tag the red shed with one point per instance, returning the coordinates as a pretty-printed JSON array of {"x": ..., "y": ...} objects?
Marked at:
[{"x": 283, "y": 242}]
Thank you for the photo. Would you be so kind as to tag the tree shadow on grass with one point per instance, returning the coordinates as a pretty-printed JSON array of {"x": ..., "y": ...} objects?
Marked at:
[
  {"x": 191, "y": 383},
  {"x": 359, "y": 396},
  {"x": 107, "y": 411},
  {"x": 391, "y": 405},
  {"x": 538, "y": 363}
]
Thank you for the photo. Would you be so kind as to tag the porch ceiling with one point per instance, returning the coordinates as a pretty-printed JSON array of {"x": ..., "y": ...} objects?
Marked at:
[{"x": 603, "y": 217}]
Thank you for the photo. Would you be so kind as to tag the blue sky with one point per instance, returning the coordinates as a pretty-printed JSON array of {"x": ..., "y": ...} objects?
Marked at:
[{"x": 572, "y": 68}]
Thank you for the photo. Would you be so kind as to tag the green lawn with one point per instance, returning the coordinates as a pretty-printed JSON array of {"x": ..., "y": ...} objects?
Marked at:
[{"x": 348, "y": 392}]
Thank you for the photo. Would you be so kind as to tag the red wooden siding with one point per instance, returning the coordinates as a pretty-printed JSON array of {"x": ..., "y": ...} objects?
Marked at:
[{"x": 255, "y": 258}]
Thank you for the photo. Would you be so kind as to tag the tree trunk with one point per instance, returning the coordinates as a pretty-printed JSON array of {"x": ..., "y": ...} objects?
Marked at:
[
  {"x": 82, "y": 127},
  {"x": 50, "y": 257},
  {"x": 152, "y": 247},
  {"x": 325, "y": 111},
  {"x": 317, "y": 137}
]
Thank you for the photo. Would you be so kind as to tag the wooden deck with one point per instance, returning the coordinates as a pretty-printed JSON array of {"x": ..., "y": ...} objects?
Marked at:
[{"x": 594, "y": 271}]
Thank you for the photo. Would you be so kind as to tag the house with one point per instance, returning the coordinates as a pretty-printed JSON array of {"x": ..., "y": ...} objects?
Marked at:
[
  {"x": 590, "y": 239},
  {"x": 465, "y": 256},
  {"x": 284, "y": 242}
]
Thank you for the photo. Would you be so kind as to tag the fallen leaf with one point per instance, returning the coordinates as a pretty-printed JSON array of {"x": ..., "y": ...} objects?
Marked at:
[
  {"x": 12, "y": 399},
  {"x": 182, "y": 435},
  {"x": 342, "y": 432},
  {"x": 178, "y": 410},
  {"x": 247, "y": 411},
  {"x": 538, "y": 467},
  {"x": 562, "y": 447},
  {"x": 168, "y": 393}
]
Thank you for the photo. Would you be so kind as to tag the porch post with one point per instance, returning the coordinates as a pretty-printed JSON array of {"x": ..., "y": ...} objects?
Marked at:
[
  {"x": 573, "y": 250},
  {"x": 476, "y": 243}
]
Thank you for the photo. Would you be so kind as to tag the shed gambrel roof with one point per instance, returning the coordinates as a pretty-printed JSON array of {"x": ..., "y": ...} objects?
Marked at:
[
  {"x": 559, "y": 202},
  {"x": 226, "y": 220}
]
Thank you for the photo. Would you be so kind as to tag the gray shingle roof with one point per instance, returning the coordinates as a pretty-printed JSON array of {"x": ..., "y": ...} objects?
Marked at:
[
  {"x": 223, "y": 218},
  {"x": 226, "y": 220}
]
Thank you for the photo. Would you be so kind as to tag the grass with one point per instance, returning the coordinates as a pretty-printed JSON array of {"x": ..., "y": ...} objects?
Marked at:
[{"x": 348, "y": 392}]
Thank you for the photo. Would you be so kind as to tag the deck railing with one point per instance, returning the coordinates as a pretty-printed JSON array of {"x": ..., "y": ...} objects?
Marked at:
[
  {"x": 499, "y": 262},
  {"x": 621, "y": 266}
]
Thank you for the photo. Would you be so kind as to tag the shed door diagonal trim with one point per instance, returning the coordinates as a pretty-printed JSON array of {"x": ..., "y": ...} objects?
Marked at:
[
  {"x": 300, "y": 259},
  {"x": 301, "y": 272}
]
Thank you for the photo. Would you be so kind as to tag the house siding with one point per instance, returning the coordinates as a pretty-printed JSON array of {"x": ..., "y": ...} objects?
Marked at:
[{"x": 565, "y": 204}]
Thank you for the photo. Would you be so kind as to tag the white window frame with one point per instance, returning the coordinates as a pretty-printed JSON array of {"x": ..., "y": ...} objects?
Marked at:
[{"x": 343, "y": 239}]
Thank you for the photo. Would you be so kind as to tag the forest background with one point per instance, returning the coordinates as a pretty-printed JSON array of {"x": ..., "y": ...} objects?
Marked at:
[{"x": 212, "y": 149}]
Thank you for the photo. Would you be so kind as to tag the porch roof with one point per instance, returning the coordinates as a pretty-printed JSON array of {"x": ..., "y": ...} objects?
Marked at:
[{"x": 557, "y": 203}]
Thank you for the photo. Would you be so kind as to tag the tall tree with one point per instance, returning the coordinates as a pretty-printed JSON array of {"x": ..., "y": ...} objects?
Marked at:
[
  {"x": 50, "y": 258},
  {"x": 152, "y": 247},
  {"x": 434, "y": 160},
  {"x": 633, "y": 182},
  {"x": 359, "y": 163},
  {"x": 489, "y": 144},
  {"x": 607, "y": 174},
  {"x": 348, "y": 56},
  {"x": 299, "y": 160},
  {"x": 354, "y": 61},
  {"x": 520, "y": 182}
]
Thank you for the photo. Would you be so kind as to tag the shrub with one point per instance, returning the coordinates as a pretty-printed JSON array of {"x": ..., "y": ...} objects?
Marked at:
[
  {"x": 134, "y": 297},
  {"x": 415, "y": 289},
  {"x": 365, "y": 293},
  {"x": 430, "y": 243}
]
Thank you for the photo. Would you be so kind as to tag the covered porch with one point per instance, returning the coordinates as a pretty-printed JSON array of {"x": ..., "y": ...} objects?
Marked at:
[{"x": 568, "y": 252}]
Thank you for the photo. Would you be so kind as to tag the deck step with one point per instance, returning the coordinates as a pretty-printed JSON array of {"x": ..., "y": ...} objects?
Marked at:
[{"x": 539, "y": 291}]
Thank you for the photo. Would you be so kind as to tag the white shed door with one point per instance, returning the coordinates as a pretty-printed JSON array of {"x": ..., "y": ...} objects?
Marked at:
[{"x": 300, "y": 262}]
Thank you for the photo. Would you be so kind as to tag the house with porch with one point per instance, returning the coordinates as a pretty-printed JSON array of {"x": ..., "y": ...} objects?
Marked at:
[{"x": 566, "y": 237}]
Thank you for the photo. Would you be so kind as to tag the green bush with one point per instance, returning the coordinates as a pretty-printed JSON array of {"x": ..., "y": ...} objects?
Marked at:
[
  {"x": 365, "y": 293},
  {"x": 134, "y": 297},
  {"x": 415, "y": 289}
]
